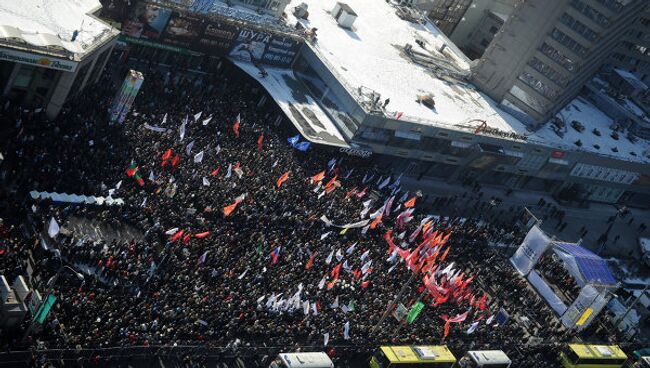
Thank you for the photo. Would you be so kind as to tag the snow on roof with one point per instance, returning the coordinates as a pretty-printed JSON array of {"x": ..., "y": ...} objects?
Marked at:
[
  {"x": 236, "y": 11},
  {"x": 631, "y": 78},
  {"x": 51, "y": 23},
  {"x": 591, "y": 118},
  {"x": 371, "y": 55},
  {"x": 305, "y": 114},
  {"x": 645, "y": 244}
]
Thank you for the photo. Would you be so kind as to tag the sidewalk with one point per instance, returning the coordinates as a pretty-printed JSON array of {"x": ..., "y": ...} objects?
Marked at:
[{"x": 594, "y": 218}]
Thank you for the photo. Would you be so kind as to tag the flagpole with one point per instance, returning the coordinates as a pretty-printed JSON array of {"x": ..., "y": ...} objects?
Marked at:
[
  {"x": 391, "y": 306},
  {"x": 399, "y": 327}
]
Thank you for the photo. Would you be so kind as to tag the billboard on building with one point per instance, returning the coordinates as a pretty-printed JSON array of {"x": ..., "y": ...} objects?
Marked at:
[{"x": 162, "y": 26}]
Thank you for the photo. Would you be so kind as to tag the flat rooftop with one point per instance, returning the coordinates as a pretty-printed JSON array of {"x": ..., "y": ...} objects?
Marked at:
[
  {"x": 51, "y": 23},
  {"x": 371, "y": 55}
]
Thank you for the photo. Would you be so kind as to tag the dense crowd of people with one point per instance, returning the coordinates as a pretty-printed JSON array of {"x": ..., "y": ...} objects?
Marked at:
[{"x": 244, "y": 240}]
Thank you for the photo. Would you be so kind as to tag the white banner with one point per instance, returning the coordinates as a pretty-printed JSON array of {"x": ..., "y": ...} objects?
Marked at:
[{"x": 529, "y": 252}]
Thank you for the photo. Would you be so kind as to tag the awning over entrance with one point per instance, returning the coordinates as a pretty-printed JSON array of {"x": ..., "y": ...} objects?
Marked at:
[{"x": 299, "y": 106}]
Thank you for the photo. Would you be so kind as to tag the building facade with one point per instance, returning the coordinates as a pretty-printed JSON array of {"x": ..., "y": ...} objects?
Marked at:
[
  {"x": 40, "y": 71},
  {"x": 534, "y": 66},
  {"x": 447, "y": 14}
]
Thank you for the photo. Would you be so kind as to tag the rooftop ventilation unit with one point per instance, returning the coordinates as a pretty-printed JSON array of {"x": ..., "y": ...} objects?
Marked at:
[{"x": 344, "y": 15}]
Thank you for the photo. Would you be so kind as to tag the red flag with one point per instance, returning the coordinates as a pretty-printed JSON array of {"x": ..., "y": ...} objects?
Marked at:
[
  {"x": 447, "y": 325},
  {"x": 282, "y": 179},
  {"x": 235, "y": 127},
  {"x": 176, "y": 236},
  {"x": 133, "y": 168},
  {"x": 186, "y": 238},
  {"x": 176, "y": 160},
  {"x": 166, "y": 156},
  {"x": 389, "y": 239},
  {"x": 410, "y": 203},
  {"x": 215, "y": 171},
  {"x": 228, "y": 209},
  {"x": 260, "y": 140},
  {"x": 365, "y": 284},
  {"x": 362, "y": 193},
  {"x": 310, "y": 263},
  {"x": 318, "y": 177},
  {"x": 202, "y": 235},
  {"x": 140, "y": 181},
  {"x": 336, "y": 271},
  {"x": 350, "y": 192}
]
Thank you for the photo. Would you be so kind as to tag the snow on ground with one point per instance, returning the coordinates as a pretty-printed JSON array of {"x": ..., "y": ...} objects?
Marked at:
[
  {"x": 370, "y": 55},
  {"x": 581, "y": 110},
  {"x": 288, "y": 92},
  {"x": 52, "y": 22}
]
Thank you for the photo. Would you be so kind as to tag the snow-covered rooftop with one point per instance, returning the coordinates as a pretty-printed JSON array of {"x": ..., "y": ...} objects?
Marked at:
[
  {"x": 51, "y": 23},
  {"x": 371, "y": 55},
  {"x": 591, "y": 118}
]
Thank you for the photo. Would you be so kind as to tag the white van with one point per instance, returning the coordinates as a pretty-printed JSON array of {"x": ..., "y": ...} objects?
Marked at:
[
  {"x": 302, "y": 360},
  {"x": 485, "y": 359}
]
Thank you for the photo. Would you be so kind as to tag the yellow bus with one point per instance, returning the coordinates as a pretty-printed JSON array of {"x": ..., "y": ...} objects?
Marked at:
[
  {"x": 592, "y": 356},
  {"x": 413, "y": 357}
]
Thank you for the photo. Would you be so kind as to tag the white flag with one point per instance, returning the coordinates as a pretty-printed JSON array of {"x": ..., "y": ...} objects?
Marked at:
[
  {"x": 198, "y": 116},
  {"x": 144, "y": 202},
  {"x": 384, "y": 183},
  {"x": 489, "y": 320},
  {"x": 229, "y": 173},
  {"x": 346, "y": 330},
  {"x": 239, "y": 172},
  {"x": 325, "y": 235},
  {"x": 182, "y": 131},
  {"x": 218, "y": 149},
  {"x": 365, "y": 255},
  {"x": 472, "y": 328},
  {"x": 351, "y": 249},
  {"x": 53, "y": 229},
  {"x": 336, "y": 303},
  {"x": 199, "y": 157},
  {"x": 171, "y": 231},
  {"x": 328, "y": 260},
  {"x": 152, "y": 177},
  {"x": 242, "y": 276},
  {"x": 164, "y": 119},
  {"x": 188, "y": 149},
  {"x": 206, "y": 182},
  {"x": 326, "y": 338},
  {"x": 305, "y": 307},
  {"x": 315, "y": 309},
  {"x": 206, "y": 121},
  {"x": 339, "y": 255},
  {"x": 321, "y": 284}
]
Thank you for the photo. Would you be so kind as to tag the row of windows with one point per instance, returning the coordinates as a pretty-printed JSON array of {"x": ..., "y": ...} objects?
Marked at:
[
  {"x": 590, "y": 12},
  {"x": 612, "y": 4},
  {"x": 569, "y": 42},
  {"x": 603, "y": 173},
  {"x": 539, "y": 86},
  {"x": 547, "y": 71},
  {"x": 558, "y": 57},
  {"x": 579, "y": 27}
]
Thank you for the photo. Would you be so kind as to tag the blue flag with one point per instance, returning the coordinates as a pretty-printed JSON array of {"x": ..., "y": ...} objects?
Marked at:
[
  {"x": 302, "y": 146},
  {"x": 293, "y": 140}
]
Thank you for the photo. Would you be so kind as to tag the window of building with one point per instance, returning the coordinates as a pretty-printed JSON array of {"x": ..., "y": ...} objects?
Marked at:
[
  {"x": 612, "y": 4},
  {"x": 579, "y": 27},
  {"x": 539, "y": 86},
  {"x": 558, "y": 57},
  {"x": 548, "y": 72},
  {"x": 493, "y": 29},
  {"x": 569, "y": 42},
  {"x": 590, "y": 12}
]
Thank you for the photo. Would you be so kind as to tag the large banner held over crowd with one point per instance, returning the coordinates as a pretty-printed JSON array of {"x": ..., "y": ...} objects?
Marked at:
[{"x": 529, "y": 252}]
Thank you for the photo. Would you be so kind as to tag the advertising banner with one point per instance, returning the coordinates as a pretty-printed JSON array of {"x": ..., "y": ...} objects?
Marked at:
[
  {"x": 183, "y": 30},
  {"x": 146, "y": 21},
  {"x": 262, "y": 47},
  {"x": 125, "y": 96}
]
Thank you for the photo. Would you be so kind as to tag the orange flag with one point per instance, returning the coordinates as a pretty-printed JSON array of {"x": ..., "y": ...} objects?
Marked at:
[
  {"x": 318, "y": 177},
  {"x": 202, "y": 235},
  {"x": 310, "y": 263},
  {"x": 235, "y": 127},
  {"x": 376, "y": 221},
  {"x": 331, "y": 182},
  {"x": 166, "y": 156},
  {"x": 444, "y": 255},
  {"x": 282, "y": 179},
  {"x": 228, "y": 209},
  {"x": 260, "y": 140},
  {"x": 176, "y": 160},
  {"x": 410, "y": 203},
  {"x": 215, "y": 172}
]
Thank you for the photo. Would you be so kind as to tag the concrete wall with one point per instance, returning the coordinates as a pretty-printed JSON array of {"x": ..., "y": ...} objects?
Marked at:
[{"x": 475, "y": 14}]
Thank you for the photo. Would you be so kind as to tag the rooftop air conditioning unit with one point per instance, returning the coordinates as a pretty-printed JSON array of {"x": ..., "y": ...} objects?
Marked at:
[{"x": 344, "y": 15}]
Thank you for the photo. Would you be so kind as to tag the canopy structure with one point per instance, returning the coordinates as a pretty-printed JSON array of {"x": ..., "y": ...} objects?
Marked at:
[
  {"x": 588, "y": 269},
  {"x": 584, "y": 265}
]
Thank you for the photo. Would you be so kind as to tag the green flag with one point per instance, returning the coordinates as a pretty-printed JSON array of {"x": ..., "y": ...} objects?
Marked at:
[{"x": 414, "y": 312}]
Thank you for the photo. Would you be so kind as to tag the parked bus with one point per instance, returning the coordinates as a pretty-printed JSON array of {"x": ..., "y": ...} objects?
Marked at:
[
  {"x": 592, "y": 356},
  {"x": 413, "y": 357},
  {"x": 302, "y": 360},
  {"x": 485, "y": 359}
]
